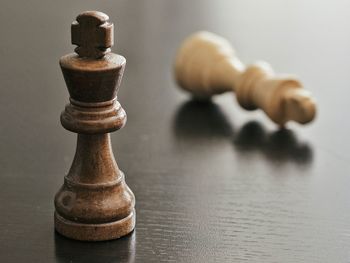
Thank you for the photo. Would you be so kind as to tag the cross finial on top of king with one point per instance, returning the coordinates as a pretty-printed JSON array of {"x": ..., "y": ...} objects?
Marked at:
[{"x": 93, "y": 34}]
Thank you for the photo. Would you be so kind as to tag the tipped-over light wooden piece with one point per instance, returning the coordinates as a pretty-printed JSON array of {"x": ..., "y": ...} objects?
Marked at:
[{"x": 206, "y": 65}]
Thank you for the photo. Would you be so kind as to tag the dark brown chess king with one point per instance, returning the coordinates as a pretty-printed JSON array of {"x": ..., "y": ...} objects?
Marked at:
[
  {"x": 206, "y": 65},
  {"x": 94, "y": 202}
]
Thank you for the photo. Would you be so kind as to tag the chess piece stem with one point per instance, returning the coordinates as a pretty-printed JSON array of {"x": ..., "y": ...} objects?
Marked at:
[
  {"x": 94, "y": 160},
  {"x": 207, "y": 65}
]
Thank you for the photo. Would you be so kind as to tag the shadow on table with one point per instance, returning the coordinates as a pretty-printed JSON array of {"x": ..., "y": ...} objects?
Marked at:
[
  {"x": 201, "y": 119},
  {"x": 205, "y": 120},
  {"x": 279, "y": 146},
  {"x": 121, "y": 250}
]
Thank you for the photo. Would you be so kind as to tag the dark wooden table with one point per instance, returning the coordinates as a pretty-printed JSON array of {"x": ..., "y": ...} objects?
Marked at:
[{"x": 213, "y": 183}]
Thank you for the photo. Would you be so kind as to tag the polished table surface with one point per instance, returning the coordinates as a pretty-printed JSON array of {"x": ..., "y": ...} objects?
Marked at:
[{"x": 213, "y": 183}]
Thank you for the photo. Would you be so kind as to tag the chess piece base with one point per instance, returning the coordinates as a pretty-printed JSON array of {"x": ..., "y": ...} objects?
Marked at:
[{"x": 95, "y": 232}]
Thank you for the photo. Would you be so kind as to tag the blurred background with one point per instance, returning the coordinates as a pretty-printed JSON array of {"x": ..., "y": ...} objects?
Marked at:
[
  {"x": 309, "y": 39},
  {"x": 211, "y": 181}
]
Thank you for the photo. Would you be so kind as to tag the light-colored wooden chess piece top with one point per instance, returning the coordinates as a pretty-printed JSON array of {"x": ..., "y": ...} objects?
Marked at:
[{"x": 206, "y": 65}]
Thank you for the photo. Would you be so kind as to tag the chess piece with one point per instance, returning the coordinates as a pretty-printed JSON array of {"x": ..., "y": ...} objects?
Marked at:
[
  {"x": 94, "y": 202},
  {"x": 206, "y": 65}
]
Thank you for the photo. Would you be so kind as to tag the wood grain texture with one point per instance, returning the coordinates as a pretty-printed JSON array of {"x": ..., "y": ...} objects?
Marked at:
[{"x": 212, "y": 183}]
